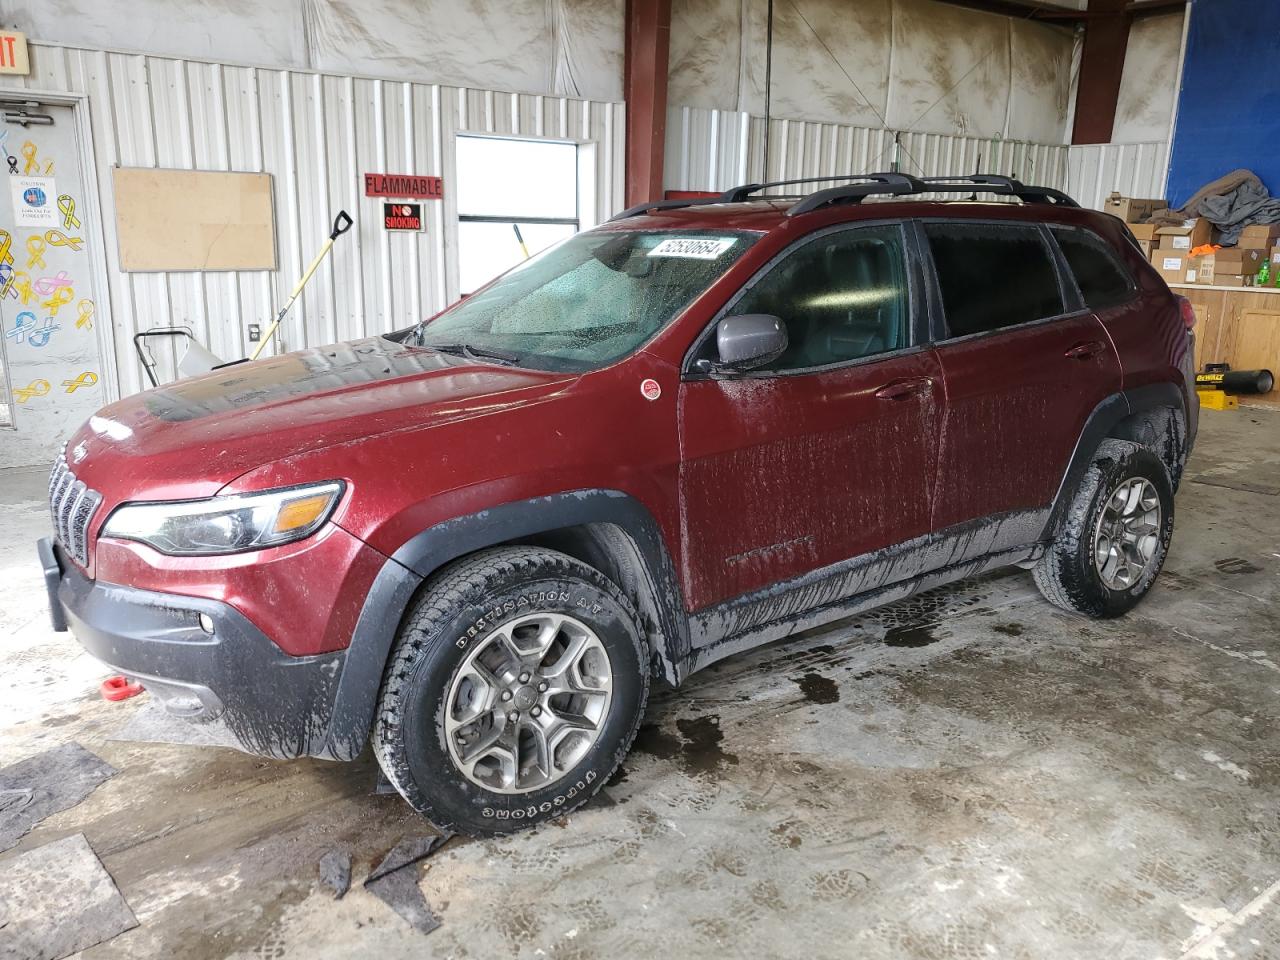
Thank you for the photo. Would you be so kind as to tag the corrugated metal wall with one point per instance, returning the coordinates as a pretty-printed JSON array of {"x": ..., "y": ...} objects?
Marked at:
[
  {"x": 1134, "y": 169},
  {"x": 715, "y": 149},
  {"x": 315, "y": 134}
]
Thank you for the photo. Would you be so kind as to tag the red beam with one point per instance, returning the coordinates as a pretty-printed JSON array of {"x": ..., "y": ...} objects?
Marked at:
[
  {"x": 1106, "y": 35},
  {"x": 644, "y": 82}
]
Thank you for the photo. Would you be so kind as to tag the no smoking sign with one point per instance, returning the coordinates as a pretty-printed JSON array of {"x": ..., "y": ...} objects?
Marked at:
[{"x": 402, "y": 216}]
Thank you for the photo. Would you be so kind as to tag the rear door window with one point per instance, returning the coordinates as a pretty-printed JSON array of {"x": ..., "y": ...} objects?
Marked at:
[
  {"x": 1103, "y": 281},
  {"x": 993, "y": 275}
]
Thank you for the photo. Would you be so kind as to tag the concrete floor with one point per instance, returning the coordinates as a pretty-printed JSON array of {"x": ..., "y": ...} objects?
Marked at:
[{"x": 972, "y": 774}]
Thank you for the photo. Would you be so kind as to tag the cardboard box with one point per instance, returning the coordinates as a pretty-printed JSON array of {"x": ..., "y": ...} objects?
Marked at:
[
  {"x": 1262, "y": 231},
  {"x": 1147, "y": 247},
  {"x": 1260, "y": 236},
  {"x": 1143, "y": 231},
  {"x": 1226, "y": 264},
  {"x": 1174, "y": 265},
  {"x": 1233, "y": 282},
  {"x": 1275, "y": 258},
  {"x": 1130, "y": 209},
  {"x": 1191, "y": 234}
]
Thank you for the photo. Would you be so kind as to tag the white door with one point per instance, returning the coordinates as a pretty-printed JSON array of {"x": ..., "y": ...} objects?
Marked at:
[{"x": 52, "y": 364}]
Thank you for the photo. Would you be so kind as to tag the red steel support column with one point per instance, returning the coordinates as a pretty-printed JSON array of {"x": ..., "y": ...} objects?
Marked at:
[
  {"x": 644, "y": 86},
  {"x": 1106, "y": 35}
]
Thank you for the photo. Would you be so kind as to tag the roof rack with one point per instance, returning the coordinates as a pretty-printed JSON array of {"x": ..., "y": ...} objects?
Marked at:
[{"x": 869, "y": 185}]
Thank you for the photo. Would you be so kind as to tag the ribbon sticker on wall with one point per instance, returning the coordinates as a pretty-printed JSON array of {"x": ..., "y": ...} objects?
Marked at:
[
  {"x": 86, "y": 379},
  {"x": 27, "y": 329},
  {"x": 36, "y": 388}
]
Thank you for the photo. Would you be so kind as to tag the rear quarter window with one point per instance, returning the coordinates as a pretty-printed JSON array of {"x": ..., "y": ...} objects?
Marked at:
[
  {"x": 993, "y": 275},
  {"x": 1102, "y": 278}
]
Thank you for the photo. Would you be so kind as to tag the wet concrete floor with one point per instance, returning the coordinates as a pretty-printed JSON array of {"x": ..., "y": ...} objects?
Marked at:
[{"x": 972, "y": 773}]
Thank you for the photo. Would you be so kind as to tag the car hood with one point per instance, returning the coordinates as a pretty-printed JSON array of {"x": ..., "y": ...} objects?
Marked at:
[{"x": 190, "y": 438}]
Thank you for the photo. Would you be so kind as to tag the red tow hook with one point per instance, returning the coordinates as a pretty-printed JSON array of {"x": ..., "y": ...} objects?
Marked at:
[{"x": 120, "y": 688}]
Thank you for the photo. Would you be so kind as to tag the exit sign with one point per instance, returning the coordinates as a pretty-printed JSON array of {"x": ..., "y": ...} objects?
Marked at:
[{"x": 13, "y": 53}]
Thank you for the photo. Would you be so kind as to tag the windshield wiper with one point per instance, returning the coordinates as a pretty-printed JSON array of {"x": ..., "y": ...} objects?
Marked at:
[{"x": 504, "y": 357}]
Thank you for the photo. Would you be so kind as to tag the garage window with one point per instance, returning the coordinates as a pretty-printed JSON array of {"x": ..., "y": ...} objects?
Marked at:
[{"x": 507, "y": 185}]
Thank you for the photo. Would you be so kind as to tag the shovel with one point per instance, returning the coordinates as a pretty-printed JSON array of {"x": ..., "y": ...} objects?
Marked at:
[
  {"x": 198, "y": 359},
  {"x": 341, "y": 224}
]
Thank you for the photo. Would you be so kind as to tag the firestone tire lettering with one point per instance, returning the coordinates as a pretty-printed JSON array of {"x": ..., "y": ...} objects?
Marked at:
[{"x": 459, "y": 607}]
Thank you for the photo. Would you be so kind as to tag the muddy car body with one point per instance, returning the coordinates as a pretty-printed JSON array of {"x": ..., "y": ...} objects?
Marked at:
[{"x": 479, "y": 553}]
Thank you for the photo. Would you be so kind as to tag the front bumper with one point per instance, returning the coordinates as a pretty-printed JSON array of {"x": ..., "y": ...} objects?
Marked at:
[{"x": 276, "y": 705}]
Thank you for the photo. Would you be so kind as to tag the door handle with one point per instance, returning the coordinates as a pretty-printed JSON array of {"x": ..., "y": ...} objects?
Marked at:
[
  {"x": 904, "y": 389},
  {"x": 1086, "y": 350}
]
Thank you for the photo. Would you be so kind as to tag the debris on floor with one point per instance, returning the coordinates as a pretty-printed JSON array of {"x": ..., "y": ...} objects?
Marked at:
[
  {"x": 335, "y": 872},
  {"x": 400, "y": 891},
  {"x": 42, "y": 784},
  {"x": 406, "y": 852},
  {"x": 394, "y": 881},
  {"x": 57, "y": 900}
]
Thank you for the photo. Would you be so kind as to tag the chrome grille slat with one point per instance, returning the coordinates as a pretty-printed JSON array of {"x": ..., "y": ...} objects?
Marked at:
[
  {"x": 74, "y": 533},
  {"x": 71, "y": 508},
  {"x": 59, "y": 496}
]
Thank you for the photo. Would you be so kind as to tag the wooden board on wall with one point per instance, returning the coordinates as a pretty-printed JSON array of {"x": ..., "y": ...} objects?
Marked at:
[{"x": 185, "y": 220}]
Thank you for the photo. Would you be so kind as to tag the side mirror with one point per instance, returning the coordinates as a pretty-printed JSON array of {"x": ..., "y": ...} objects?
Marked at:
[{"x": 750, "y": 340}]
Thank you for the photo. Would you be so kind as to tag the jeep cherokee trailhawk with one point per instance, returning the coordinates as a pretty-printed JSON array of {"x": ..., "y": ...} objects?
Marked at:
[{"x": 700, "y": 427}]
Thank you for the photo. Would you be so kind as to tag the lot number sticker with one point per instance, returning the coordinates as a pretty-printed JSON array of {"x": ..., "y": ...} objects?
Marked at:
[{"x": 693, "y": 248}]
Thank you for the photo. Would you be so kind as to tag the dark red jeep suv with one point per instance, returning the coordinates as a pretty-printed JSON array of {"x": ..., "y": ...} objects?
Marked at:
[{"x": 703, "y": 426}]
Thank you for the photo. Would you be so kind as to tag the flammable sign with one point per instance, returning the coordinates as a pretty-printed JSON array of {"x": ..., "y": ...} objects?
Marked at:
[{"x": 402, "y": 216}]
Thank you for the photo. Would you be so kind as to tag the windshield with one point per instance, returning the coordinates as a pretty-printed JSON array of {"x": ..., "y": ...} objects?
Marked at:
[{"x": 587, "y": 301}]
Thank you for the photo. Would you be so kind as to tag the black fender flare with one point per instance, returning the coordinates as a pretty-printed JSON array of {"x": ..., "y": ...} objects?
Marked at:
[
  {"x": 422, "y": 555},
  {"x": 1100, "y": 425}
]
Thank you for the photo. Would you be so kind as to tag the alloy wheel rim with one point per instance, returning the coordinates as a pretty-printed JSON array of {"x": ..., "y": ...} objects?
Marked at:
[
  {"x": 528, "y": 702},
  {"x": 1127, "y": 536}
]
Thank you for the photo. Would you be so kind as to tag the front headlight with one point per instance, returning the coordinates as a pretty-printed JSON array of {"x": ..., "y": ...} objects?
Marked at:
[{"x": 247, "y": 521}]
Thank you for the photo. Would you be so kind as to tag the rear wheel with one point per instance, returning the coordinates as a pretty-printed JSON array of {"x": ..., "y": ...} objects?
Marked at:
[
  {"x": 1113, "y": 540},
  {"x": 515, "y": 688}
]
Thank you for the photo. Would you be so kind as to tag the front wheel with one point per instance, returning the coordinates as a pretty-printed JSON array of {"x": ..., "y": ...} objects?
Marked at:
[
  {"x": 1113, "y": 540},
  {"x": 514, "y": 690}
]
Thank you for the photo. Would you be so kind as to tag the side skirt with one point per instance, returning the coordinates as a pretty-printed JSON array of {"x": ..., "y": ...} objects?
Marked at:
[{"x": 863, "y": 583}]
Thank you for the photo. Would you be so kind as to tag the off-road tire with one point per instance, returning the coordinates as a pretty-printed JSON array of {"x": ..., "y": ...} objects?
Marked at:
[
  {"x": 1067, "y": 575},
  {"x": 459, "y": 607}
]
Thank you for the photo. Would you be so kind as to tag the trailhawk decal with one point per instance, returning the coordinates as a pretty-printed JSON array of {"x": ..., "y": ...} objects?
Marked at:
[{"x": 693, "y": 248}]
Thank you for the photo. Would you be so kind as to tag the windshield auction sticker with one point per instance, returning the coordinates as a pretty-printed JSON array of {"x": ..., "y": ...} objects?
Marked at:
[{"x": 693, "y": 248}]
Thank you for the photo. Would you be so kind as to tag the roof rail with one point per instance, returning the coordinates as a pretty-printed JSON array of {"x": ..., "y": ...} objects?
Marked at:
[
  {"x": 978, "y": 183},
  {"x": 869, "y": 185},
  {"x": 880, "y": 182}
]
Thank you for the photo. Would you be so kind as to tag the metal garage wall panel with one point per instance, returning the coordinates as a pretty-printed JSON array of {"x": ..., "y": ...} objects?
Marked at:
[
  {"x": 715, "y": 149},
  {"x": 315, "y": 134},
  {"x": 1134, "y": 169}
]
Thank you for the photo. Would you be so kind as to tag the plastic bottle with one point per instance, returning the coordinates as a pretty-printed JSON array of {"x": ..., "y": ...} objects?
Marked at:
[{"x": 1264, "y": 274}]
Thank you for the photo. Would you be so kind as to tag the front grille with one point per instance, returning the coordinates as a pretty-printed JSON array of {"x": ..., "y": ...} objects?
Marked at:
[{"x": 72, "y": 506}]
